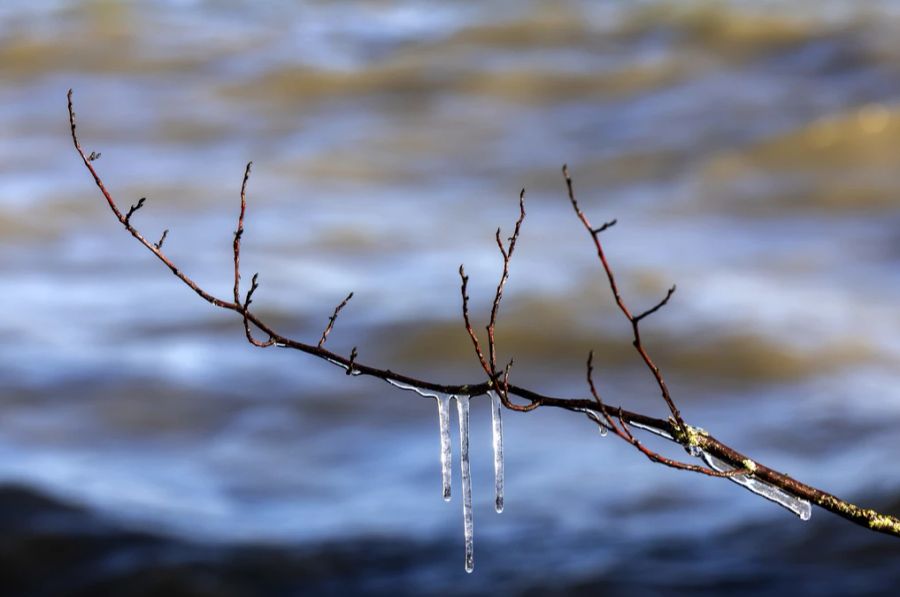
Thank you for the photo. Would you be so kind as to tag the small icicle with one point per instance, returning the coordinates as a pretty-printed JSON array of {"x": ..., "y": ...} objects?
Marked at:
[
  {"x": 462, "y": 405},
  {"x": 798, "y": 506},
  {"x": 443, "y": 403},
  {"x": 497, "y": 427},
  {"x": 596, "y": 419}
]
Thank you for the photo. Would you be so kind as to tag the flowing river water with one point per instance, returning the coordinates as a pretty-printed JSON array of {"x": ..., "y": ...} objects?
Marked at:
[{"x": 749, "y": 152}]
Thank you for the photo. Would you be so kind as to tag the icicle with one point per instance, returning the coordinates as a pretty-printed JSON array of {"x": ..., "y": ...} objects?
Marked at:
[
  {"x": 443, "y": 403},
  {"x": 462, "y": 405},
  {"x": 497, "y": 427},
  {"x": 797, "y": 505}
]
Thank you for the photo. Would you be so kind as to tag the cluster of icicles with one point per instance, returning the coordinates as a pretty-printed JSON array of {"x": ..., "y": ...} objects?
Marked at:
[
  {"x": 797, "y": 505},
  {"x": 462, "y": 409}
]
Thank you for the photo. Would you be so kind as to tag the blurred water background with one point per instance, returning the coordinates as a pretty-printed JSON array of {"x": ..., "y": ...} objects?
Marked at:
[{"x": 749, "y": 150}]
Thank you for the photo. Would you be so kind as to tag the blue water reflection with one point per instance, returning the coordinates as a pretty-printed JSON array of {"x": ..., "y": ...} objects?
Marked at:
[{"x": 749, "y": 153}]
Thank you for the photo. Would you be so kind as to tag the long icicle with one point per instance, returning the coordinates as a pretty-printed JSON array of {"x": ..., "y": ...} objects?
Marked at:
[
  {"x": 497, "y": 428},
  {"x": 443, "y": 403},
  {"x": 462, "y": 405}
]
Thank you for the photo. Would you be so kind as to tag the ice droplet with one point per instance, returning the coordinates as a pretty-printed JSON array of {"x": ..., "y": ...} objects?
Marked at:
[
  {"x": 443, "y": 403},
  {"x": 462, "y": 406},
  {"x": 601, "y": 426},
  {"x": 798, "y": 506},
  {"x": 497, "y": 427}
]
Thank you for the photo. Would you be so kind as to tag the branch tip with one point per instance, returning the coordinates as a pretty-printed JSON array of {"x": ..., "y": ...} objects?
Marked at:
[
  {"x": 133, "y": 209},
  {"x": 332, "y": 319},
  {"x": 657, "y": 307},
  {"x": 605, "y": 226}
]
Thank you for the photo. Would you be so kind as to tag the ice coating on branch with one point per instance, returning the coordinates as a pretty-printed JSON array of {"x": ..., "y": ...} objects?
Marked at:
[
  {"x": 358, "y": 372},
  {"x": 462, "y": 406},
  {"x": 798, "y": 506},
  {"x": 443, "y": 403},
  {"x": 653, "y": 430},
  {"x": 497, "y": 429}
]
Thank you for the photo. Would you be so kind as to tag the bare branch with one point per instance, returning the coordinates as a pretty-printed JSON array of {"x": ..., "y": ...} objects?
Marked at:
[
  {"x": 658, "y": 306},
  {"x": 254, "y": 284},
  {"x": 238, "y": 234},
  {"x": 674, "y": 428},
  {"x": 605, "y": 226},
  {"x": 332, "y": 319},
  {"x": 595, "y": 235},
  {"x": 498, "y": 295}
]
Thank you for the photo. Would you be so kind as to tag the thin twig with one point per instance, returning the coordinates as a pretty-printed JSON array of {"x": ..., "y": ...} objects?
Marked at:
[
  {"x": 332, "y": 319},
  {"x": 162, "y": 239},
  {"x": 635, "y": 321},
  {"x": 238, "y": 234},
  {"x": 658, "y": 306},
  {"x": 133, "y": 209},
  {"x": 245, "y": 311}
]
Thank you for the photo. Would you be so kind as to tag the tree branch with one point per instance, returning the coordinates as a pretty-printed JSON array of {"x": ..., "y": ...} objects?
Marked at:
[
  {"x": 614, "y": 418},
  {"x": 635, "y": 321}
]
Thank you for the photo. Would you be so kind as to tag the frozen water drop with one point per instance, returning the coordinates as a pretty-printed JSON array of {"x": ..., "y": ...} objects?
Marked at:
[
  {"x": 497, "y": 428},
  {"x": 601, "y": 426},
  {"x": 462, "y": 406}
]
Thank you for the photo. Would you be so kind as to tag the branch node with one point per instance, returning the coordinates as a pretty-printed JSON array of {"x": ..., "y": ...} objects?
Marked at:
[
  {"x": 162, "y": 239},
  {"x": 350, "y": 367},
  {"x": 133, "y": 209},
  {"x": 95, "y": 155}
]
